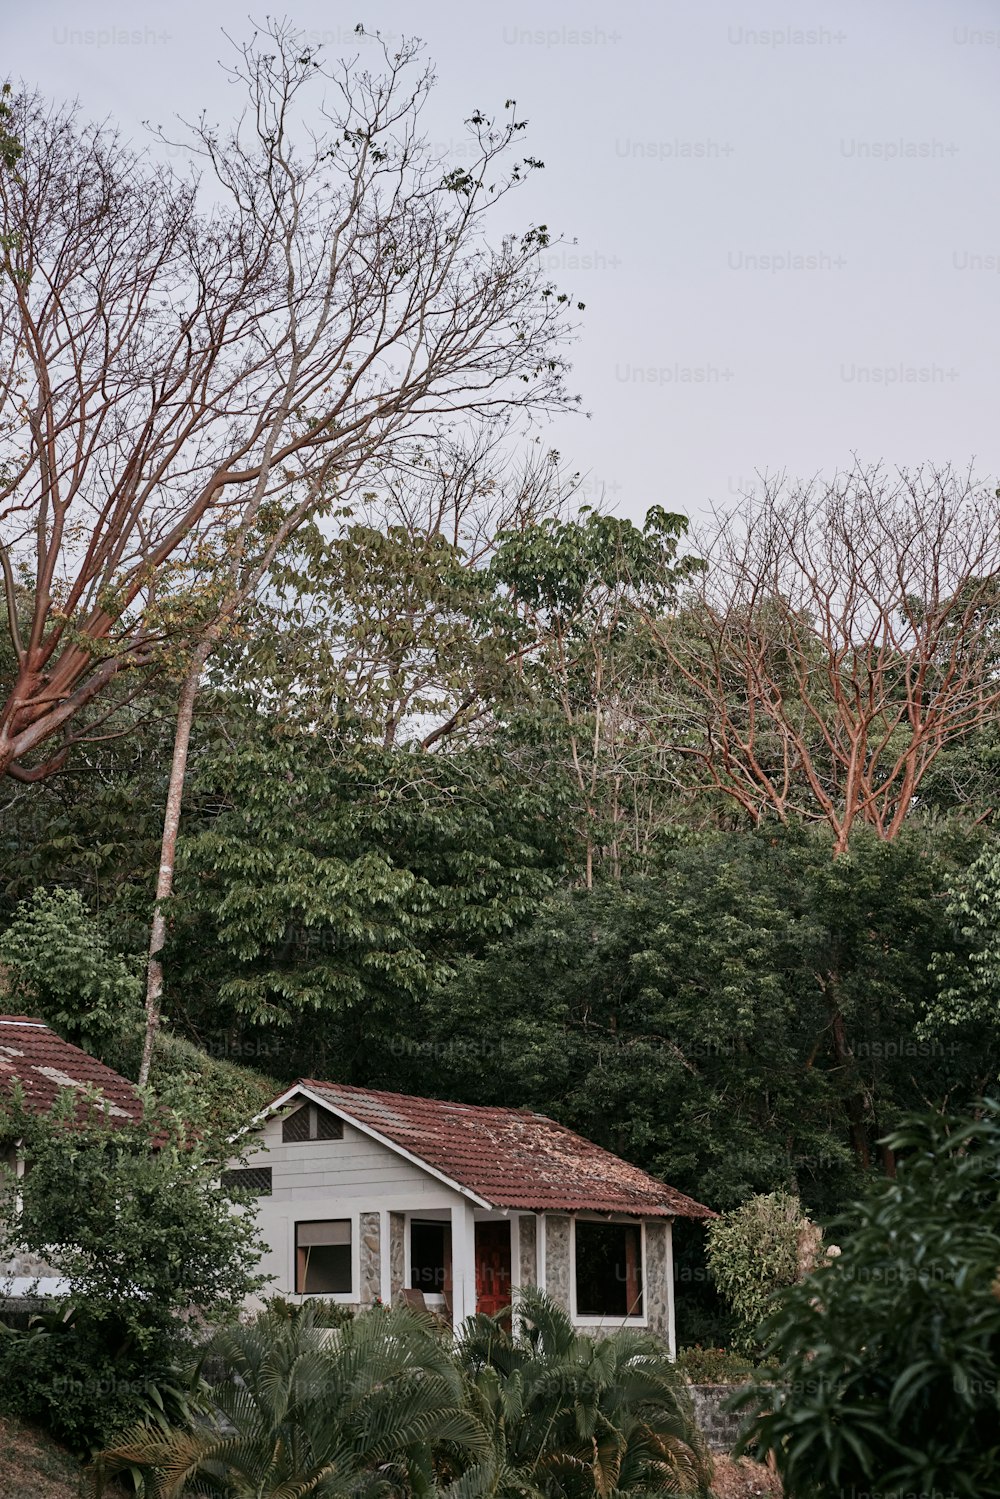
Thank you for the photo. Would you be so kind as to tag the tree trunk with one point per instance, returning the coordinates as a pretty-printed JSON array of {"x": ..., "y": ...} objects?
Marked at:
[
  {"x": 853, "y": 1102},
  {"x": 168, "y": 852}
]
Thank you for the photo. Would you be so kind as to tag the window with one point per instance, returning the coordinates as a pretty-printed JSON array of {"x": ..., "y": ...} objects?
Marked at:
[
  {"x": 310, "y": 1123},
  {"x": 323, "y": 1258},
  {"x": 608, "y": 1269},
  {"x": 255, "y": 1179},
  {"x": 430, "y": 1256}
]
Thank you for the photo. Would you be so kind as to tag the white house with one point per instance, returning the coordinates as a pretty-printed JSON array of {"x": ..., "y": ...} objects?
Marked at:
[{"x": 365, "y": 1196}]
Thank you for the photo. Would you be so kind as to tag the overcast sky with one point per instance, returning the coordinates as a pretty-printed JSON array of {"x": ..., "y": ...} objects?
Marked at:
[{"x": 787, "y": 217}]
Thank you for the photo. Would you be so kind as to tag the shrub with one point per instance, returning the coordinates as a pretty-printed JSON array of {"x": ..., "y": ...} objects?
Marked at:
[
  {"x": 713, "y": 1365},
  {"x": 752, "y": 1251},
  {"x": 889, "y": 1354},
  {"x": 65, "y": 1373}
]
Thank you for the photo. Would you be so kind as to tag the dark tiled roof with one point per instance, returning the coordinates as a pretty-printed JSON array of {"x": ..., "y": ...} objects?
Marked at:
[
  {"x": 44, "y": 1065},
  {"x": 509, "y": 1157}
]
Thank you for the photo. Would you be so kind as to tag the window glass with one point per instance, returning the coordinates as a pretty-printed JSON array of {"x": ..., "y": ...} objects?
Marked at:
[
  {"x": 430, "y": 1256},
  {"x": 323, "y": 1258},
  {"x": 608, "y": 1269}
]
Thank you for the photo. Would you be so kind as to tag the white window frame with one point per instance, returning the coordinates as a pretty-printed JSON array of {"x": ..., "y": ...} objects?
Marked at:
[{"x": 607, "y": 1323}]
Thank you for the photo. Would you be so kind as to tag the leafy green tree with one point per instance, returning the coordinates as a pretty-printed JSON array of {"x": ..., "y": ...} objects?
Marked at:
[
  {"x": 582, "y": 589},
  {"x": 683, "y": 1020},
  {"x": 58, "y": 963},
  {"x": 131, "y": 1218},
  {"x": 888, "y": 1375},
  {"x": 336, "y": 883}
]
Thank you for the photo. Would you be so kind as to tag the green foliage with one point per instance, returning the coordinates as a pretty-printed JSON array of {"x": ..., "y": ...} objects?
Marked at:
[
  {"x": 969, "y": 973},
  {"x": 11, "y": 149},
  {"x": 713, "y": 1365},
  {"x": 210, "y": 1093},
  {"x": 752, "y": 1252},
  {"x": 684, "y": 1020},
  {"x": 296, "y": 1411},
  {"x": 62, "y": 1373},
  {"x": 132, "y": 1219},
  {"x": 374, "y": 632},
  {"x": 61, "y": 966},
  {"x": 388, "y": 1404},
  {"x": 344, "y": 884},
  {"x": 571, "y": 1416},
  {"x": 889, "y": 1355},
  {"x": 321, "y": 1311},
  {"x": 569, "y": 570}
]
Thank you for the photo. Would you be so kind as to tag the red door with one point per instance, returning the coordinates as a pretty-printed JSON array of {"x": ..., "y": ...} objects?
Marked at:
[{"x": 493, "y": 1267}]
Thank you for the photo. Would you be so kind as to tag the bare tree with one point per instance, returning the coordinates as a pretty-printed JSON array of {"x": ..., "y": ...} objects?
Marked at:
[
  {"x": 191, "y": 365},
  {"x": 843, "y": 634}
]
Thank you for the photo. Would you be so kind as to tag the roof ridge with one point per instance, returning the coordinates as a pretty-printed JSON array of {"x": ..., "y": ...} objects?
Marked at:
[{"x": 452, "y": 1103}]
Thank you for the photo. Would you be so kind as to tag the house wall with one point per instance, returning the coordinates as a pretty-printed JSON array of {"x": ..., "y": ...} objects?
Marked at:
[{"x": 355, "y": 1177}]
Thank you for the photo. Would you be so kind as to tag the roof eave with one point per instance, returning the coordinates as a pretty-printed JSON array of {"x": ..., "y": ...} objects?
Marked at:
[{"x": 301, "y": 1090}]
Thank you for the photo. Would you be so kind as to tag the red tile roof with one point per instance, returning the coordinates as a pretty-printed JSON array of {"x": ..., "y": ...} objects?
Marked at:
[
  {"x": 45, "y": 1065},
  {"x": 509, "y": 1157}
]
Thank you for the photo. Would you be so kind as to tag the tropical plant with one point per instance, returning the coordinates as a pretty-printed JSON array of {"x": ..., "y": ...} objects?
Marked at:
[
  {"x": 301, "y": 1409},
  {"x": 888, "y": 1377},
  {"x": 386, "y": 1404},
  {"x": 571, "y": 1416}
]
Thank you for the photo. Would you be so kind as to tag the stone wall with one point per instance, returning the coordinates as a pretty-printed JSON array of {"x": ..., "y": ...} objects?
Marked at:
[
  {"x": 397, "y": 1254},
  {"x": 720, "y": 1427},
  {"x": 371, "y": 1257},
  {"x": 528, "y": 1266},
  {"x": 557, "y": 1231},
  {"x": 657, "y": 1288}
]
